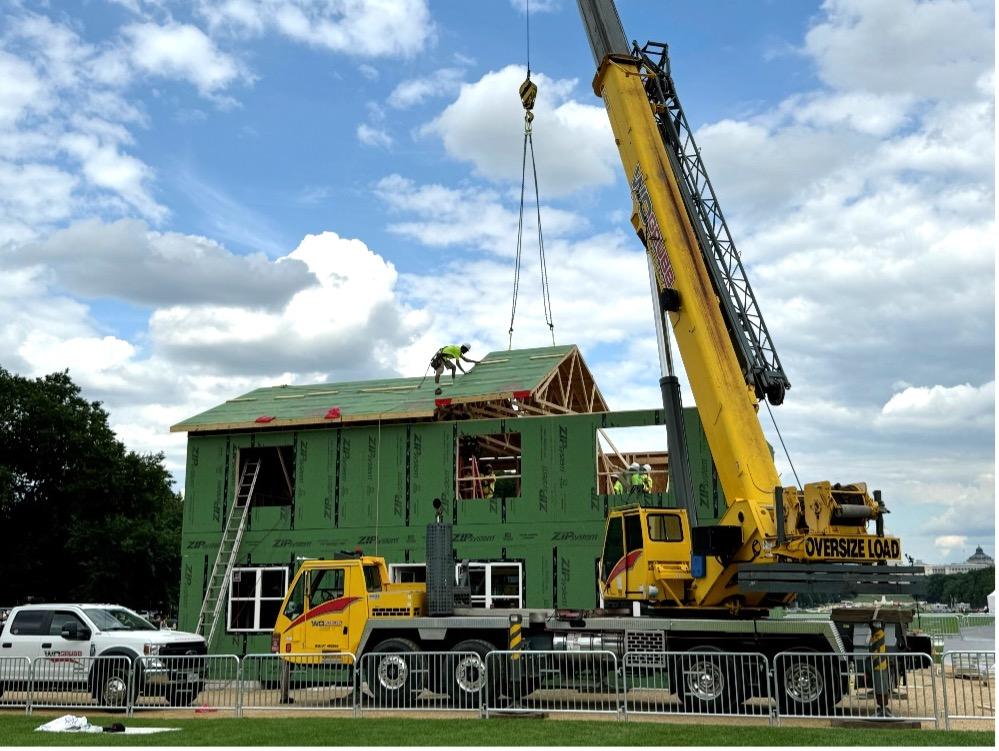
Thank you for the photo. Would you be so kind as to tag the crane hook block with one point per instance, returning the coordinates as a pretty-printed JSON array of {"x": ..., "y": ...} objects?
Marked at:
[{"x": 528, "y": 93}]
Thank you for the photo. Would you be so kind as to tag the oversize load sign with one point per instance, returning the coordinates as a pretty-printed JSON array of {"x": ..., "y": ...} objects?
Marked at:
[{"x": 853, "y": 548}]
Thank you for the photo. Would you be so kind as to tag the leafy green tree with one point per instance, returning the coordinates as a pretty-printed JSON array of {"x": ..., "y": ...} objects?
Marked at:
[
  {"x": 81, "y": 517},
  {"x": 972, "y": 587}
]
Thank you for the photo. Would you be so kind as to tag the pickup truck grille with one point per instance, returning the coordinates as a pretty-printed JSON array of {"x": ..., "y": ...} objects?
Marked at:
[{"x": 183, "y": 648}]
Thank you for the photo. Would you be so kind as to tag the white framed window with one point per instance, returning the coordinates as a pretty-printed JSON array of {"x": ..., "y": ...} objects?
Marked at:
[
  {"x": 495, "y": 584},
  {"x": 255, "y": 595},
  {"x": 407, "y": 573}
]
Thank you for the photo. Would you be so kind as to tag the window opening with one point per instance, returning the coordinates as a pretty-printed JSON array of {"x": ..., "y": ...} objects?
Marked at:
[
  {"x": 619, "y": 449},
  {"x": 407, "y": 573},
  {"x": 276, "y": 480},
  {"x": 489, "y": 466},
  {"x": 495, "y": 584},
  {"x": 665, "y": 528},
  {"x": 255, "y": 596}
]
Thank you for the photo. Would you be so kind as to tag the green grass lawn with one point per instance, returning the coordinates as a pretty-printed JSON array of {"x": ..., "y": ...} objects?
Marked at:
[{"x": 18, "y": 730}]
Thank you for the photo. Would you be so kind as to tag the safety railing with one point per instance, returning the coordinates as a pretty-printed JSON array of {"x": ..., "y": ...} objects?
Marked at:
[
  {"x": 550, "y": 681},
  {"x": 969, "y": 684},
  {"x": 696, "y": 683},
  {"x": 938, "y": 624},
  {"x": 873, "y": 687},
  {"x": 423, "y": 681},
  {"x": 973, "y": 620},
  {"x": 15, "y": 682},
  {"x": 68, "y": 680},
  {"x": 473, "y": 679},
  {"x": 313, "y": 682},
  {"x": 181, "y": 681}
]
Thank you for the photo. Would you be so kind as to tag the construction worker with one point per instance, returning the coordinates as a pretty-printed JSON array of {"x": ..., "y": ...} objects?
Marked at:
[
  {"x": 616, "y": 487},
  {"x": 647, "y": 477},
  {"x": 635, "y": 479},
  {"x": 488, "y": 482},
  {"x": 448, "y": 357}
]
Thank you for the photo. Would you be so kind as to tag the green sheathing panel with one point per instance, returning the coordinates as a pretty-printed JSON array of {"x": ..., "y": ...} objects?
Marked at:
[
  {"x": 372, "y": 488},
  {"x": 499, "y": 373}
]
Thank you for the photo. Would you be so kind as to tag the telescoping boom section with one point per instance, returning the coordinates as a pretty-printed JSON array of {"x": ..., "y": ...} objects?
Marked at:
[{"x": 773, "y": 542}]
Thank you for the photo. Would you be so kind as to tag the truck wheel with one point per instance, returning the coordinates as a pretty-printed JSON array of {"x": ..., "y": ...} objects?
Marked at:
[
  {"x": 708, "y": 683},
  {"x": 468, "y": 684},
  {"x": 111, "y": 687},
  {"x": 806, "y": 687},
  {"x": 390, "y": 674}
]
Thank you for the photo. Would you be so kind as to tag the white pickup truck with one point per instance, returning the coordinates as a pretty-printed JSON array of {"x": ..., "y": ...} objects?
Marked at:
[{"x": 60, "y": 640}]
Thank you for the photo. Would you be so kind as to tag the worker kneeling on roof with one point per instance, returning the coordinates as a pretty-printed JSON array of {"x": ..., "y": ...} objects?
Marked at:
[{"x": 448, "y": 357}]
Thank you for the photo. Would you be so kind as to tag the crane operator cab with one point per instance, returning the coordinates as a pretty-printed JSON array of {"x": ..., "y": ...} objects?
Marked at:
[{"x": 646, "y": 556}]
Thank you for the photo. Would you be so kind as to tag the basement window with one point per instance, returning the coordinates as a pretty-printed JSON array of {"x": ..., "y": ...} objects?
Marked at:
[
  {"x": 255, "y": 596},
  {"x": 496, "y": 584},
  {"x": 489, "y": 466},
  {"x": 276, "y": 478},
  {"x": 619, "y": 448}
]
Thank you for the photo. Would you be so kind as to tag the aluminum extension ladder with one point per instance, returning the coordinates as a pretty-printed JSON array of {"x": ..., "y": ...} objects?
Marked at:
[{"x": 232, "y": 534}]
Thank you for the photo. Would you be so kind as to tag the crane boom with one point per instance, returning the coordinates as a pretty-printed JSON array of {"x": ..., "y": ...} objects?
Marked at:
[{"x": 772, "y": 541}]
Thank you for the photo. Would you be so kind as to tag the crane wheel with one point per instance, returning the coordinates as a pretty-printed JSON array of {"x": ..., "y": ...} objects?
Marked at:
[
  {"x": 807, "y": 686},
  {"x": 468, "y": 683},
  {"x": 391, "y": 673},
  {"x": 708, "y": 682}
]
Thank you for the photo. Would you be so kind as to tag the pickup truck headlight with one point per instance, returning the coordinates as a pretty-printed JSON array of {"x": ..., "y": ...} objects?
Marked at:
[{"x": 151, "y": 649}]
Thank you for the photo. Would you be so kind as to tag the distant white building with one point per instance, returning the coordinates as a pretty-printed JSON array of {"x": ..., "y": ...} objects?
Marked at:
[{"x": 978, "y": 560}]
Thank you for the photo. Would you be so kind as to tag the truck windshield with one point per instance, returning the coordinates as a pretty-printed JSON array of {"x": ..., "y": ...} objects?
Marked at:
[{"x": 118, "y": 619}]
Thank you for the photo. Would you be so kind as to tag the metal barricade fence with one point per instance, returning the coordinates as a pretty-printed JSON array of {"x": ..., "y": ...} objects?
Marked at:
[
  {"x": 969, "y": 684},
  {"x": 550, "y": 681},
  {"x": 75, "y": 681},
  {"x": 15, "y": 682},
  {"x": 938, "y": 624},
  {"x": 423, "y": 681},
  {"x": 697, "y": 683},
  {"x": 872, "y": 686},
  {"x": 307, "y": 682},
  {"x": 181, "y": 681},
  {"x": 973, "y": 620}
]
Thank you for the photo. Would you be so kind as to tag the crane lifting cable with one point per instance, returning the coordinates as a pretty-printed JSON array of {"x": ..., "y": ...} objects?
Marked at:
[{"x": 528, "y": 94}]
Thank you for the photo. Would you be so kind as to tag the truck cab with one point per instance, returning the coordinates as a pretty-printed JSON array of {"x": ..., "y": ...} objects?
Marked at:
[
  {"x": 646, "y": 556},
  {"x": 329, "y": 603}
]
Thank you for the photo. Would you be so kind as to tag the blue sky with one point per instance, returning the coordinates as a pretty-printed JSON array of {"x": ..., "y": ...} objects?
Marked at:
[{"x": 199, "y": 198}]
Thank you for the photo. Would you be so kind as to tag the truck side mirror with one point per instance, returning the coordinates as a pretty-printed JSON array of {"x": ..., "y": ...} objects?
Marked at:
[{"x": 73, "y": 632}]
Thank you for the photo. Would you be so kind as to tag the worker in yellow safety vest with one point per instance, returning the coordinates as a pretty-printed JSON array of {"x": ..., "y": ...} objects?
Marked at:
[
  {"x": 647, "y": 477},
  {"x": 635, "y": 479},
  {"x": 488, "y": 482},
  {"x": 448, "y": 357},
  {"x": 616, "y": 487}
]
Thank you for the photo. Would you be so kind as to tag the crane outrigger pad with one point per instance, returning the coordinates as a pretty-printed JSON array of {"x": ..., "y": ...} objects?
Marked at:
[{"x": 839, "y": 578}]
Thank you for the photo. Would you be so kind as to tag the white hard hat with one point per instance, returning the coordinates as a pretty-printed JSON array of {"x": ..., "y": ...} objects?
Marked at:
[
  {"x": 466, "y": 345},
  {"x": 634, "y": 465},
  {"x": 647, "y": 467}
]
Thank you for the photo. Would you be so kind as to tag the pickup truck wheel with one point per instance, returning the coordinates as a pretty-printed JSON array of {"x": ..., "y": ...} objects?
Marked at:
[
  {"x": 390, "y": 673},
  {"x": 708, "y": 683},
  {"x": 468, "y": 680},
  {"x": 111, "y": 687}
]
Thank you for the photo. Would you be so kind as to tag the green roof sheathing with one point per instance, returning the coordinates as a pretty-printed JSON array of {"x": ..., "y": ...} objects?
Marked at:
[{"x": 498, "y": 376}]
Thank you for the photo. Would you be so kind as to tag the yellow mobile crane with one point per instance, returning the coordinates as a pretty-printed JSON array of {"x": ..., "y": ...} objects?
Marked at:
[
  {"x": 701, "y": 589},
  {"x": 772, "y": 541}
]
